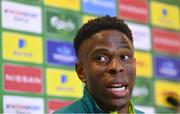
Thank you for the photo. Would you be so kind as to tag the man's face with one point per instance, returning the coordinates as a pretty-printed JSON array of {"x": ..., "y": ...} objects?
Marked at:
[{"x": 107, "y": 66}]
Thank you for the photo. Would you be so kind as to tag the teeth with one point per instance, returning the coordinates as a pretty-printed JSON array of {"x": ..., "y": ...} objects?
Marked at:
[
  {"x": 122, "y": 88},
  {"x": 117, "y": 85}
]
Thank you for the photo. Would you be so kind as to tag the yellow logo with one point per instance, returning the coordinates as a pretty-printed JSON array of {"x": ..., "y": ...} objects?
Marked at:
[
  {"x": 143, "y": 64},
  {"x": 86, "y": 18},
  {"x": 72, "y": 4},
  {"x": 166, "y": 92},
  {"x": 21, "y": 47},
  {"x": 63, "y": 83},
  {"x": 164, "y": 15}
]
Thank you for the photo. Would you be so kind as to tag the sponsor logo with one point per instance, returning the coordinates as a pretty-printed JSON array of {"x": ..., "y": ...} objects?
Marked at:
[
  {"x": 20, "y": 47},
  {"x": 147, "y": 109},
  {"x": 20, "y": 14},
  {"x": 60, "y": 53},
  {"x": 63, "y": 83},
  {"x": 164, "y": 12},
  {"x": 63, "y": 78},
  {"x": 18, "y": 104},
  {"x": 165, "y": 15},
  {"x": 21, "y": 107},
  {"x": 144, "y": 66},
  {"x": 21, "y": 43},
  {"x": 142, "y": 91},
  {"x": 165, "y": 90},
  {"x": 72, "y": 5},
  {"x": 166, "y": 41},
  {"x": 167, "y": 67},
  {"x": 86, "y": 18},
  {"x": 99, "y": 7},
  {"x": 101, "y": 3},
  {"x": 133, "y": 10},
  {"x": 55, "y": 104},
  {"x": 21, "y": 17},
  {"x": 61, "y": 23},
  {"x": 16, "y": 77},
  {"x": 141, "y": 34},
  {"x": 22, "y": 79}
]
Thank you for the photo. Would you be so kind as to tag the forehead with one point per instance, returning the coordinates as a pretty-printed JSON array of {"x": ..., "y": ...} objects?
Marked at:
[
  {"x": 110, "y": 37},
  {"x": 105, "y": 39}
]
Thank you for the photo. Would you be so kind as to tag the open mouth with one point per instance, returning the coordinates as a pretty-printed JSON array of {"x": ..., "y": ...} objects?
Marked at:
[
  {"x": 117, "y": 87},
  {"x": 119, "y": 90}
]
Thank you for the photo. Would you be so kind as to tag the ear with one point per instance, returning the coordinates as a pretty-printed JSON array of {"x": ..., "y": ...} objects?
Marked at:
[
  {"x": 80, "y": 71},
  {"x": 134, "y": 61},
  {"x": 134, "y": 66}
]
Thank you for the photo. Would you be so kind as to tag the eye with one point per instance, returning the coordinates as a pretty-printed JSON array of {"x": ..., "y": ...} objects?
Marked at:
[
  {"x": 102, "y": 58},
  {"x": 126, "y": 58}
]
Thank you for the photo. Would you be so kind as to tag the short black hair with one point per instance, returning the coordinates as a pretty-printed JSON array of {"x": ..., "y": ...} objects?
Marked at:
[{"x": 98, "y": 24}]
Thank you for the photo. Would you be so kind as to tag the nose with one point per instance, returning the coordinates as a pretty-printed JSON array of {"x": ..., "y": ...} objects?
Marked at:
[{"x": 115, "y": 67}]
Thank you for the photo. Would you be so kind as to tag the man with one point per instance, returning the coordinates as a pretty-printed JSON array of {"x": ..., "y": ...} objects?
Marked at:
[{"x": 106, "y": 65}]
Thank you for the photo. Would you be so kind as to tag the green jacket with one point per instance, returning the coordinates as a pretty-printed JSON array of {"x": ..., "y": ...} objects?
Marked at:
[{"x": 88, "y": 105}]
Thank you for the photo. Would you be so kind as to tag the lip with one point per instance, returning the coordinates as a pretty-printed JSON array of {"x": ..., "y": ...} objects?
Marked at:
[{"x": 117, "y": 91}]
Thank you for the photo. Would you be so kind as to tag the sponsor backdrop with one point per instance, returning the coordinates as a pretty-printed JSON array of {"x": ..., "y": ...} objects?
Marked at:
[{"x": 37, "y": 55}]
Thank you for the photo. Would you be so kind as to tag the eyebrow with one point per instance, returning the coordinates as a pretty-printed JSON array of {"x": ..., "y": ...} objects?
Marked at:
[
  {"x": 125, "y": 46},
  {"x": 97, "y": 49}
]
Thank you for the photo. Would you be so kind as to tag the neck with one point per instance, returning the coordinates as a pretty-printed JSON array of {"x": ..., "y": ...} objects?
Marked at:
[{"x": 124, "y": 109}]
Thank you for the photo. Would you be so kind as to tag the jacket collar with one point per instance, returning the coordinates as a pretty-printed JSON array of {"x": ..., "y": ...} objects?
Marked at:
[
  {"x": 92, "y": 106},
  {"x": 90, "y": 102}
]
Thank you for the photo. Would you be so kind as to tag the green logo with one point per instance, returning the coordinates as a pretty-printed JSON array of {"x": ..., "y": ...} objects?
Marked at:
[{"x": 62, "y": 24}]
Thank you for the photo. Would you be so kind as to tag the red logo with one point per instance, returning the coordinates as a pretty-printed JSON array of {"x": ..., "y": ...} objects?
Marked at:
[
  {"x": 54, "y": 105},
  {"x": 136, "y": 10},
  {"x": 22, "y": 78},
  {"x": 166, "y": 41}
]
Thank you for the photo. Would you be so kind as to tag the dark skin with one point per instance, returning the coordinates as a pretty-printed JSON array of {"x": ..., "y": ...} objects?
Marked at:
[{"x": 106, "y": 61}]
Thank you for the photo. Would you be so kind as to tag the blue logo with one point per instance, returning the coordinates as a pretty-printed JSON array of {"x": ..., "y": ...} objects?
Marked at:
[
  {"x": 21, "y": 43},
  {"x": 64, "y": 50},
  {"x": 99, "y": 7},
  {"x": 60, "y": 53},
  {"x": 63, "y": 78},
  {"x": 168, "y": 64},
  {"x": 166, "y": 67},
  {"x": 164, "y": 12}
]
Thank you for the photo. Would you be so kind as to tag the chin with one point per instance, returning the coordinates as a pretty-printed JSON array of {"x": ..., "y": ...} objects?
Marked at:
[
  {"x": 117, "y": 104},
  {"x": 120, "y": 104}
]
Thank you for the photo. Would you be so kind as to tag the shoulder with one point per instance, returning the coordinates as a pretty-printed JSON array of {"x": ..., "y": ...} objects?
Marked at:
[
  {"x": 76, "y": 107},
  {"x": 139, "y": 112}
]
